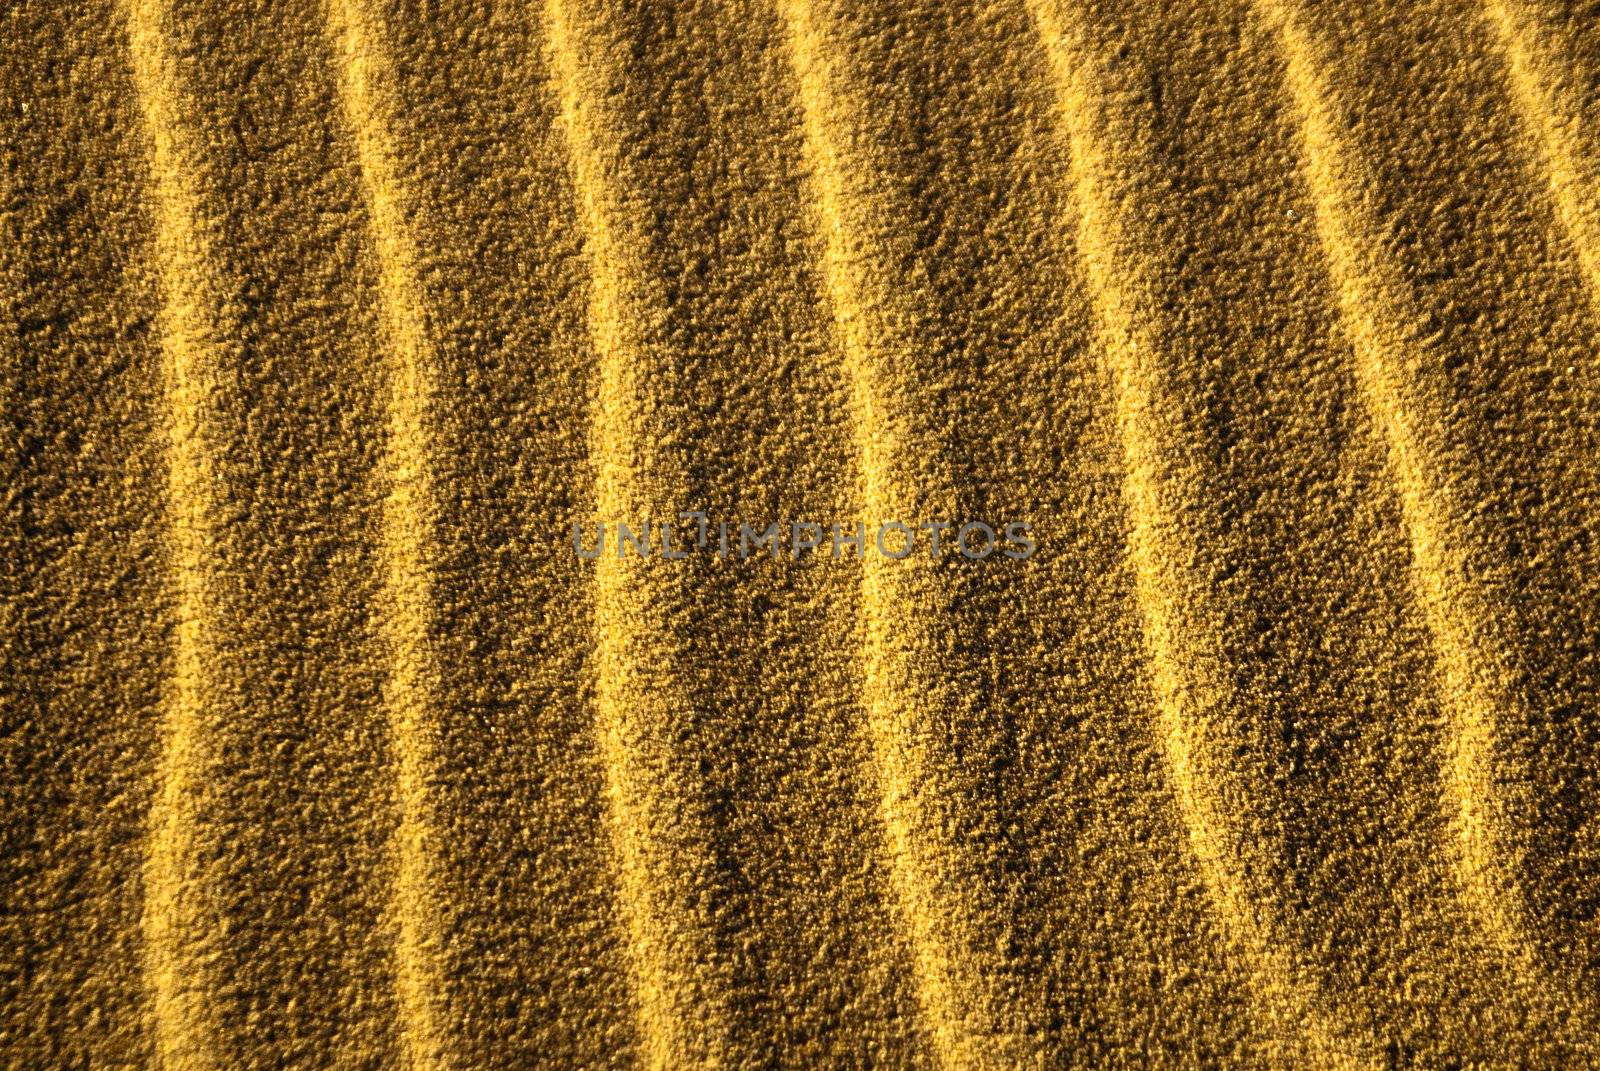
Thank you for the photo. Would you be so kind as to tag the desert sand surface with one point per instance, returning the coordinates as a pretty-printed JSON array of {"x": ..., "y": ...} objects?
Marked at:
[{"x": 321, "y": 325}]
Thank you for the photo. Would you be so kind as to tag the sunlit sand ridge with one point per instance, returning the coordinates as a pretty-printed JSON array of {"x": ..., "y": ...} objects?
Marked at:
[{"x": 322, "y": 324}]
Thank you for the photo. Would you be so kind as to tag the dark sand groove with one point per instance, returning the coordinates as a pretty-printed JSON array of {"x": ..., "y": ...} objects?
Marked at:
[
  {"x": 1184, "y": 623},
  {"x": 1466, "y": 570},
  {"x": 322, "y": 322},
  {"x": 658, "y": 820},
  {"x": 266, "y": 844},
  {"x": 409, "y": 524},
  {"x": 1288, "y": 474},
  {"x": 1014, "y": 696},
  {"x": 83, "y": 610},
  {"x": 939, "y": 888},
  {"x": 528, "y": 942},
  {"x": 1546, "y": 51},
  {"x": 733, "y": 887}
]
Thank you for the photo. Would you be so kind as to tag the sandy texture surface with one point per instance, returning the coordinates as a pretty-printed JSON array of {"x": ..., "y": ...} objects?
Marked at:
[{"x": 320, "y": 326}]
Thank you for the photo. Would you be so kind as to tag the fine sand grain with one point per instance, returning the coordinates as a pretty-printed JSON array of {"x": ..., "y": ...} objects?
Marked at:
[{"x": 322, "y": 324}]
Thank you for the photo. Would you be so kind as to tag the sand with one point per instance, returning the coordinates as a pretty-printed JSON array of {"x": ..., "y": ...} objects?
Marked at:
[{"x": 321, "y": 326}]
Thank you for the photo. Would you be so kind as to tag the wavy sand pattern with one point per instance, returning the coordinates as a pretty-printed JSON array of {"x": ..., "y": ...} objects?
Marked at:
[{"x": 322, "y": 323}]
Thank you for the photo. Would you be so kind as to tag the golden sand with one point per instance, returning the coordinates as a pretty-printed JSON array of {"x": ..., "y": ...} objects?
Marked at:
[{"x": 322, "y": 323}]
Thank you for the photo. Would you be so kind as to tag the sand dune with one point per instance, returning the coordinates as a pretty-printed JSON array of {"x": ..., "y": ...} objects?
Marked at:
[{"x": 321, "y": 325}]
